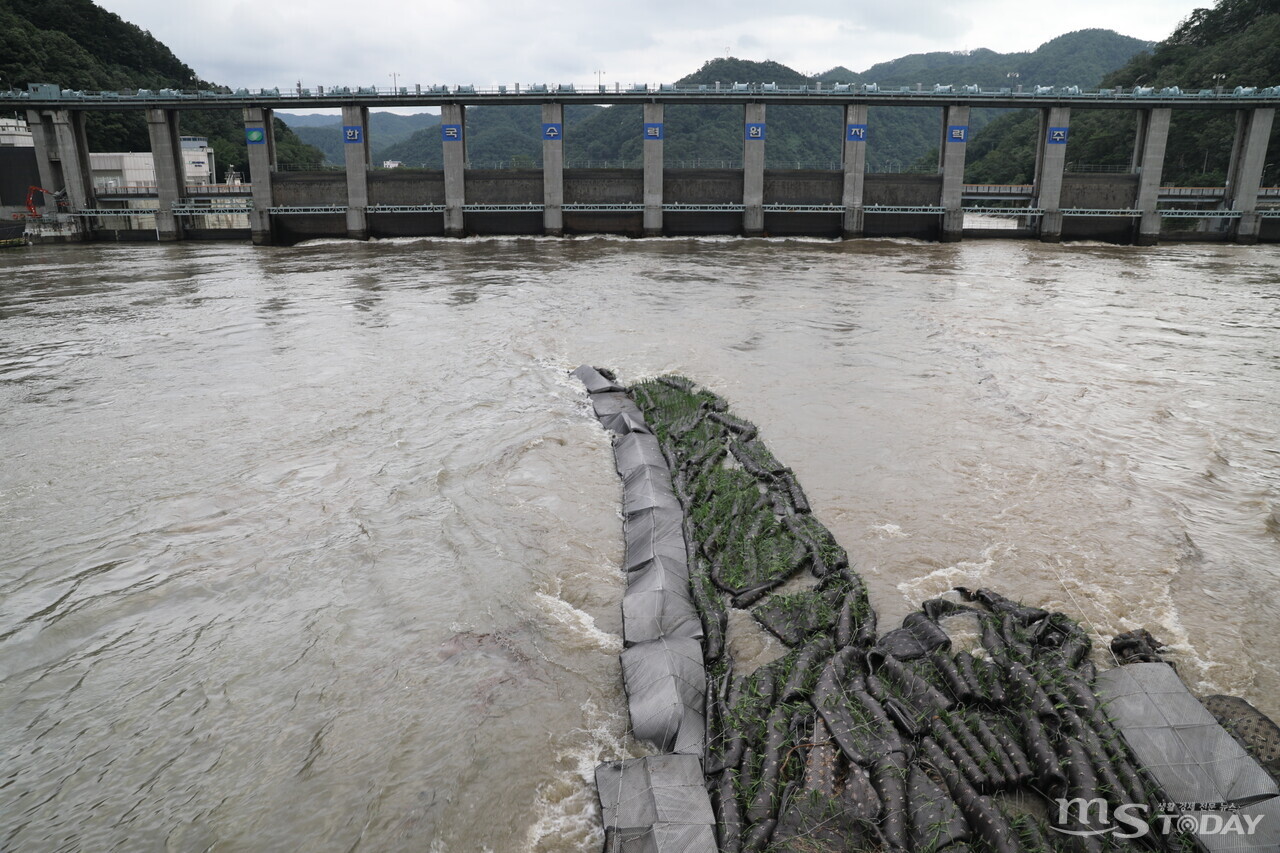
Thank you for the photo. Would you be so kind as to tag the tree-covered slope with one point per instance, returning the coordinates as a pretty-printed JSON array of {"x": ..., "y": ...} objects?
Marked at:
[
  {"x": 798, "y": 136},
  {"x": 79, "y": 45},
  {"x": 1080, "y": 58},
  {"x": 385, "y": 129},
  {"x": 1236, "y": 43}
]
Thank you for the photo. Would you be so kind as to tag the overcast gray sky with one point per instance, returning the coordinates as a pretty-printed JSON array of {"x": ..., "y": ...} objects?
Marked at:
[{"x": 264, "y": 43}]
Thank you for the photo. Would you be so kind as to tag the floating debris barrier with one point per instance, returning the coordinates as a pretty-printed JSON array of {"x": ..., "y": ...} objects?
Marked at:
[{"x": 857, "y": 739}]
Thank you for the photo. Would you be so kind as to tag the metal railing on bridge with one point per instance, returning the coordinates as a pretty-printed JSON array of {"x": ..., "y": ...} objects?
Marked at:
[
  {"x": 44, "y": 94},
  {"x": 152, "y": 190}
]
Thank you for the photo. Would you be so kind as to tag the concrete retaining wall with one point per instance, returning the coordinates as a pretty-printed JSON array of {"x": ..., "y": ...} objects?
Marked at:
[
  {"x": 303, "y": 189},
  {"x": 902, "y": 190},
  {"x": 397, "y": 186},
  {"x": 680, "y": 186},
  {"x": 1112, "y": 191}
]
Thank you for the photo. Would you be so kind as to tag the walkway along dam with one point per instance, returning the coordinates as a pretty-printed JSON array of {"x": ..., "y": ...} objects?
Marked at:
[{"x": 653, "y": 200}]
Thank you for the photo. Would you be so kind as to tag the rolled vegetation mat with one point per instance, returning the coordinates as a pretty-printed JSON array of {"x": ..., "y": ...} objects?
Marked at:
[
  {"x": 796, "y": 616},
  {"x": 936, "y": 822},
  {"x": 984, "y": 817},
  {"x": 1000, "y": 755},
  {"x": 905, "y": 684},
  {"x": 1028, "y": 693},
  {"x": 728, "y": 815},
  {"x": 762, "y": 804},
  {"x": 964, "y": 663},
  {"x": 889, "y": 775},
  {"x": 960, "y": 757},
  {"x": 808, "y": 666},
  {"x": 757, "y": 838},
  {"x": 990, "y": 767},
  {"x": 957, "y": 686},
  {"x": 715, "y": 619},
  {"x": 1043, "y": 757}
]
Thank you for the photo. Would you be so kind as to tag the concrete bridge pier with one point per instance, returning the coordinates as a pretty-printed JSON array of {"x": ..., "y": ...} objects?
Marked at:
[
  {"x": 355, "y": 138},
  {"x": 453, "y": 136},
  {"x": 553, "y": 170},
  {"x": 652, "y": 145},
  {"x": 62, "y": 160},
  {"x": 753, "y": 171},
  {"x": 955, "y": 136},
  {"x": 166, "y": 153},
  {"x": 1051, "y": 162},
  {"x": 1148, "y": 162},
  {"x": 854, "y": 159},
  {"x": 1244, "y": 176},
  {"x": 260, "y": 140}
]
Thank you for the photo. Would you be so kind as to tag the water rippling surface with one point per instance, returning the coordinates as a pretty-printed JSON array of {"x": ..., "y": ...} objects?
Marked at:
[{"x": 317, "y": 548}]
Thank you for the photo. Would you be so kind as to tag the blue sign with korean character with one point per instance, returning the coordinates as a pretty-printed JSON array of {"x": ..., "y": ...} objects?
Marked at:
[
  {"x": 552, "y": 132},
  {"x": 653, "y": 130},
  {"x": 755, "y": 131},
  {"x": 1057, "y": 136},
  {"x": 255, "y": 136},
  {"x": 352, "y": 133},
  {"x": 451, "y": 132},
  {"x": 855, "y": 133},
  {"x": 958, "y": 133}
]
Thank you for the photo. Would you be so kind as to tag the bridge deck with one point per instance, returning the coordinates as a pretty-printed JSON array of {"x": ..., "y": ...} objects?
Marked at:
[{"x": 742, "y": 93}]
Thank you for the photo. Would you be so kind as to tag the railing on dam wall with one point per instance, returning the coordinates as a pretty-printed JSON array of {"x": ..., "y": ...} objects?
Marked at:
[
  {"x": 651, "y": 196},
  {"x": 50, "y": 95}
]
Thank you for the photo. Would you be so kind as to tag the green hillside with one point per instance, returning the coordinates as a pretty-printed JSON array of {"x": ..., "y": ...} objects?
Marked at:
[
  {"x": 385, "y": 129},
  {"x": 799, "y": 136},
  {"x": 1236, "y": 43},
  {"x": 1081, "y": 58},
  {"x": 79, "y": 45}
]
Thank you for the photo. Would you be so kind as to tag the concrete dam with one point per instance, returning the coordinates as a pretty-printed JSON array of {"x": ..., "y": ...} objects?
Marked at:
[{"x": 654, "y": 200}]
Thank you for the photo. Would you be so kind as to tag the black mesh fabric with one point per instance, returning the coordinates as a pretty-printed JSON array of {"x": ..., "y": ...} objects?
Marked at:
[
  {"x": 595, "y": 381},
  {"x": 1194, "y": 759},
  {"x": 657, "y": 603},
  {"x": 656, "y": 804},
  {"x": 665, "y": 683}
]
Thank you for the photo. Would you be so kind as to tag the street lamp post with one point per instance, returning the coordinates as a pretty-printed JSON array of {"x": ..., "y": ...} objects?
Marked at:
[{"x": 394, "y": 82}]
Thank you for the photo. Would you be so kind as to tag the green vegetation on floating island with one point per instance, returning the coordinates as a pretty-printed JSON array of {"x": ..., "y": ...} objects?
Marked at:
[{"x": 856, "y": 740}]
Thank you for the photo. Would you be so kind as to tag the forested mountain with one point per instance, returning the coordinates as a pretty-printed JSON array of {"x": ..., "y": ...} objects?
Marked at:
[
  {"x": 798, "y": 136},
  {"x": 1081, "y": 58},
  {"x": 79, "y": 45},
  {"x": 1236, "y": 43}
]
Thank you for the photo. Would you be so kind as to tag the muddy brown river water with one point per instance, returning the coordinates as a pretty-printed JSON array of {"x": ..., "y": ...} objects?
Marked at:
[{"x": 316, "y": 548}]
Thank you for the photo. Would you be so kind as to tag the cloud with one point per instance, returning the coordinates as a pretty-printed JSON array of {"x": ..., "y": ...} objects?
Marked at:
[{"x": 324, "y": 42}]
